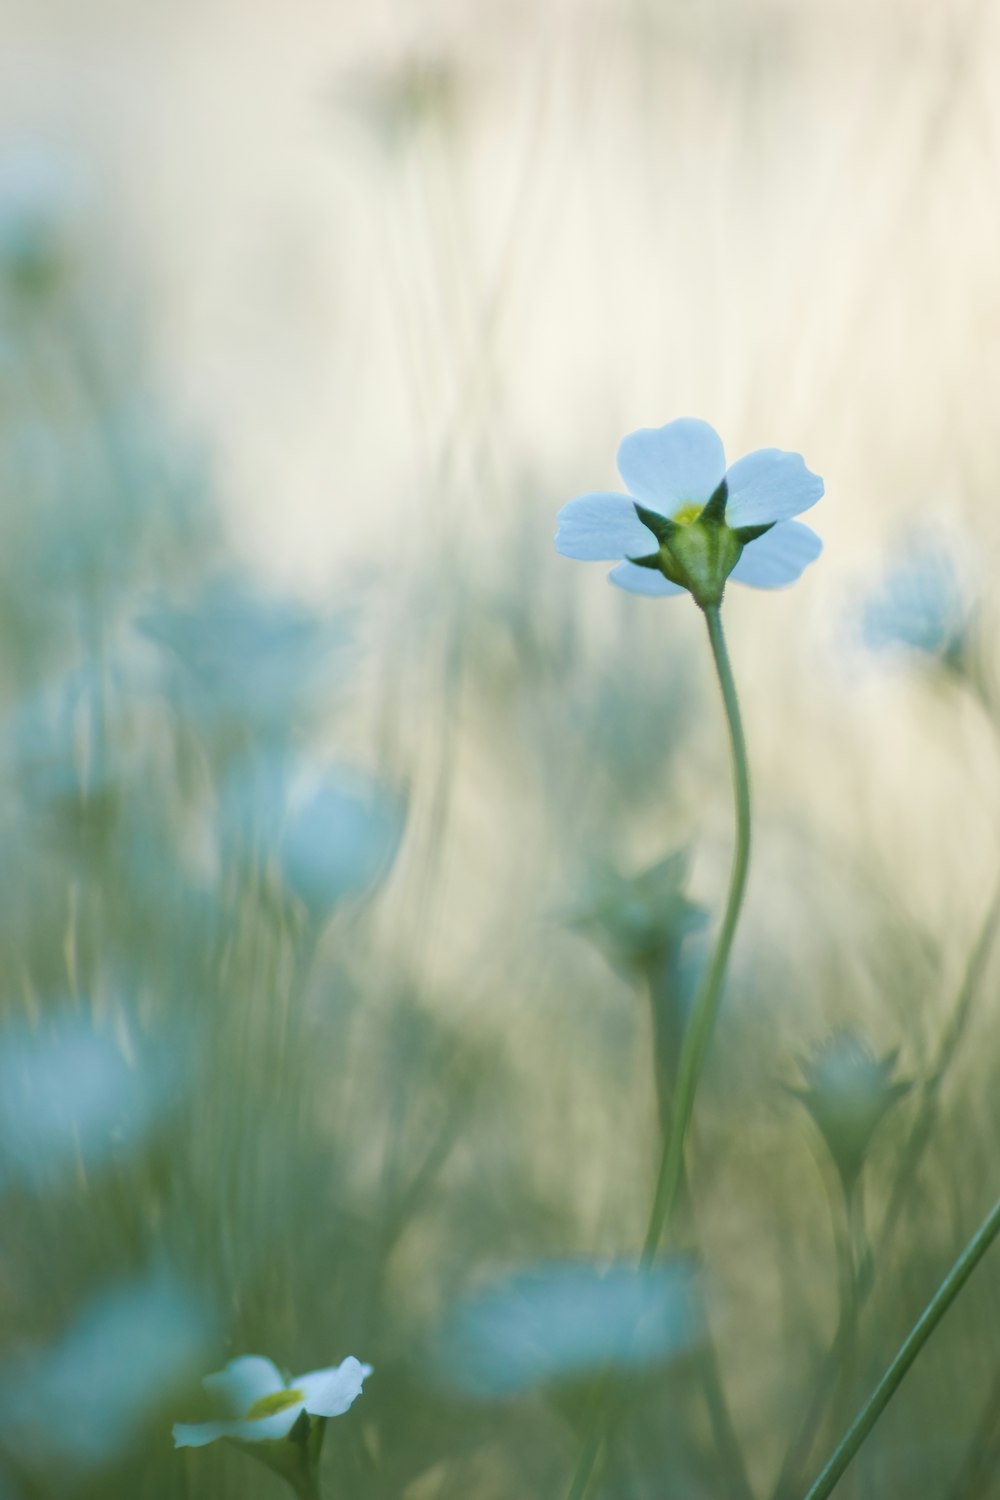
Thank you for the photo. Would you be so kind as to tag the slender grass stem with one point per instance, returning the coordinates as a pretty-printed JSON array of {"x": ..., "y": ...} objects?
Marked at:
[
  {"x": 701, "y": 1025},
  {"x": 910, "y": 1348}
]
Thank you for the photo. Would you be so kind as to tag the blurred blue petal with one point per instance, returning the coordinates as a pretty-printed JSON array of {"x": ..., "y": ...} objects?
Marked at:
[
  {"x": 566, "y": 1320},
  {"x": 69, "y": 1095},
  {"x": 670, "y": 466},
  {"x": 86, "y": 1397},
  {"x": 251, "y": 660},
  {"x": 341, "y": 840},
  {"x": 778, "y": 557},
  {"x": 602, "y": 527},
  {"x": 642, "y": 580},
  {"x": 919, "y": 606},
  {"x": 769, "y": 485}
]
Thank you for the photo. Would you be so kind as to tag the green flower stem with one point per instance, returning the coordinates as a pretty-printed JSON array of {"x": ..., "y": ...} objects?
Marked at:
[
  {"x": 699, "y": 1030},
  {"x": 911, "y": 1347}
]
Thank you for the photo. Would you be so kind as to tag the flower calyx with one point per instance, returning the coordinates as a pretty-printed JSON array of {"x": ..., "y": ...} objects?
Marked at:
[{"x": 697, "y": 549}]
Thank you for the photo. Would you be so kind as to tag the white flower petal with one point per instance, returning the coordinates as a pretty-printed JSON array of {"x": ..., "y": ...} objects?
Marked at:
[
  {"x": 778, "y": 557},
  {"x": 261, "y": 1430},
  {"x": 601, "y": 527},
  {"x": 267, "y": 1429},
  {"x": 669, "y": 466},
  {"x": 642, "y": 580},
  {"x": 769, "y": 485},
  {"x": 196, "y": 1435},
  {"x": 329, "y": 1393},
  {"x": 244, "y": 1381}
]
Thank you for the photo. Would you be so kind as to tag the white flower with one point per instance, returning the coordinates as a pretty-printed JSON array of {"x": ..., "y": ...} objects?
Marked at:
[
  {"x": 689, "y": 523},
  {"x": 263, "y": 1408}
]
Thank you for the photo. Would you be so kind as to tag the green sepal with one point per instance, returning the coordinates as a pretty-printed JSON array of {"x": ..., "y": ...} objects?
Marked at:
[
  {"x": 661, "y": 526},
  {"x": 295, "y": 1457},
  {"x": 751, "y": 533},
  {"x": 662, "y": 562},
  {"x": 715, "y": 511}
]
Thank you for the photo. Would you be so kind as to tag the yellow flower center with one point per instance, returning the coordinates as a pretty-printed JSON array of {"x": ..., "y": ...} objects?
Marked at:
[
  {"x": 687, "y": 513},
  {"x": 266, "y": 1406}
]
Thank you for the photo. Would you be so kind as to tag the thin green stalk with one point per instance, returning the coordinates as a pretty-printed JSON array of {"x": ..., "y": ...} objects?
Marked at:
[
  {"x": 911, "y": 1347},
  {"x": 922, "y": 1130},
  {"x": 698, "y": 1033},
  {"x": 699, "y": 1030},
  {"x": 920, "y": 1135}
]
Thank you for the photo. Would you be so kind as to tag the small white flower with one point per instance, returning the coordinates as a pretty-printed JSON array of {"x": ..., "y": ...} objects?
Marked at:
[
  {"x": 263, "y": 1408},
  {"x": 688, "y": 522}
]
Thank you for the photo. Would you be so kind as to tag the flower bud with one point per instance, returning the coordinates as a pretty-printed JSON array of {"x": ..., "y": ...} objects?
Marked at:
[
  {"x": 849, "y": 1093},
  {"x": 639, "y": 921}
]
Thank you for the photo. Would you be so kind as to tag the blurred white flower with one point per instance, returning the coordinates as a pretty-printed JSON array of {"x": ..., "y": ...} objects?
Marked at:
[
  {"x": 69, "y": 1094},
  {"x": 263, "y": 1407},
  {"x": 83, "y": 1399},
  {"x": 918, "y": 606},
  {"x": 566, "y": 1320},
  {"x": 340, "y": 840},
  {"x": 251, "y": 661}
]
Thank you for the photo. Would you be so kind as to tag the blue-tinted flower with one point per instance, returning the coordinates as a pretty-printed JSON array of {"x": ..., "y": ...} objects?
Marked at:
[
  {"x": 689, "y": 523},
  {"x": 68, "y": 1094},
  {"x": 252, "y": 662},
  {"x": 84, "y": 1398},
  {"x": 340, "y": 841},
  {"x": 919, "y": 606},
  {"x": 262, "y": 1407},
  {"x": 568, "y": 1320}
]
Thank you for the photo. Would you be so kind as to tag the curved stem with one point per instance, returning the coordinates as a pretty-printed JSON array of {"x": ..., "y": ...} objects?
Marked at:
[
  {"x": 699, "y": 1030},
  {"x": 911, "y": 1347}
]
